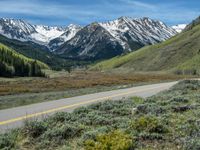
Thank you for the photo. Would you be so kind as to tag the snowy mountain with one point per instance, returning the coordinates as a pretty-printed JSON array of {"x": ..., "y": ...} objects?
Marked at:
[
  {"x": 45, "y": 33},
  {"x": 105, "y": 40},
  {"x": 144, "y": 31},
  {"x": 179, "y": 28},
  {"x": 16, "y": 29},
  {"x": 24, "y": 31},
  {"x": 69, "y": 33}
]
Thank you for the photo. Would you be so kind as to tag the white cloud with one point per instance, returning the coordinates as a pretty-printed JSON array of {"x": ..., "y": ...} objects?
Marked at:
[
  {"x": 101, "y": 10},
  {"x": 139, "y": 4}
]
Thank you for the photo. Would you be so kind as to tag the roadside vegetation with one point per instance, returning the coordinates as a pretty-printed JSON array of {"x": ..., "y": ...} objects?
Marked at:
[
  {"x": 23, "y": 91},
  {"x": 168, "y": 120}
]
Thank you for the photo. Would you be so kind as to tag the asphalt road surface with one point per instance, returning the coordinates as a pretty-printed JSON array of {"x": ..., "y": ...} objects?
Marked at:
[{"x": 15, "y": 117}]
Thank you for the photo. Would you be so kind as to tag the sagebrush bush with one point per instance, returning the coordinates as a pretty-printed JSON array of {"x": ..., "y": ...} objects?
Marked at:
[
  {"x": 34, "y": 129},
  {"x": 63, "y": 132},
  {"x": 8, "y": 141},
  {"x": 116, "y": 140},
  {"x": 192, "y": 144},
  {"x": 153, "y": 109},
  {"x": 148, "y": 124}
]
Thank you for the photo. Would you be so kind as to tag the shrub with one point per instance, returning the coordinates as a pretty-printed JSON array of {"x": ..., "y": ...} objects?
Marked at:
[
  {"x": 116, "y": 140},
  {"x": 64, "y": 132},
  {"x": 138, "y": 100},
  {"x": 180, "y": 99},
  {"x": 34, "y": 129},
  {"x": 81, "y": 110},
  {"x": 150, "y": 109},
  {"x": 180, "y": 109},
  {"x": 91, "y": 135},
  {"x": 61, "y": 117},
  {"x": 7, "y": 141},
  {"x": 148, "y": 124},
  {"x": 150, "y": 136},
  {"x": 192, "y": 144}
]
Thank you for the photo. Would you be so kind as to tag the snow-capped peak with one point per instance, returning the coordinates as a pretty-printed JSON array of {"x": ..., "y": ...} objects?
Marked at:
[
  {"x": 24, "y": 31},
  {"x": 16, "y": 29},
  {"x": 142, "y": 30},
  {"x": 179, "y": 28}
]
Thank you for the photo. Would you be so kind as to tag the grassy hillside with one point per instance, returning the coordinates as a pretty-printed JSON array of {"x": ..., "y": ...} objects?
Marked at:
[
  {"x": 180, "y": 54},
  {"x": 167, "y": 121},
  {"x": 15, "y": 64}
]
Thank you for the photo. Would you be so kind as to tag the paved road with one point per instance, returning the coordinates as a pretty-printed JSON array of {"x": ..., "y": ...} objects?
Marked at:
[{"x": 15, "y": 117}]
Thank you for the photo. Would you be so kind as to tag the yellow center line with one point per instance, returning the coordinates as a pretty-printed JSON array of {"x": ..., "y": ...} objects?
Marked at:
[{"x": 69, "y": 106}]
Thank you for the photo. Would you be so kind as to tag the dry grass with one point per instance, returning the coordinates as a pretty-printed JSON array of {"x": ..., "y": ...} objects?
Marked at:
[{"x": 77, "y": 80}]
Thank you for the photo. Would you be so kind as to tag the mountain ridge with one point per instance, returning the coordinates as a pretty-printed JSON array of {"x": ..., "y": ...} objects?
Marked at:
[{"x": 130, "y": 34}]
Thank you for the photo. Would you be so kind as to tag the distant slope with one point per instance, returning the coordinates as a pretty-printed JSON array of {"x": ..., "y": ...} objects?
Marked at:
[
  {"x": 15, "y": 64},
  {"x": 180, "y": 53},
  {"x": 35, "y": 51}
]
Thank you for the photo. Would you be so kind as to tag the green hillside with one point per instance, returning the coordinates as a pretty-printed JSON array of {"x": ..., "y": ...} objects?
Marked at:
[
  {"x": 15, "y": 64},
  {"x": 180, "y": 54},
  {"x": 36, "y": 51}
]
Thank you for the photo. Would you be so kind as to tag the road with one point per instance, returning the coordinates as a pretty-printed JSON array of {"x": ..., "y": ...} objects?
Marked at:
[{"x": 15, "y": 117}]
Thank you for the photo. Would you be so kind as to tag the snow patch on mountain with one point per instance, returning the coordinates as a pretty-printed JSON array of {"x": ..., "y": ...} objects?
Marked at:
[
  {"x": 179, "y": 28},
  {"x": 49, "y": 33},
  {"x": 69, "y": 33}
]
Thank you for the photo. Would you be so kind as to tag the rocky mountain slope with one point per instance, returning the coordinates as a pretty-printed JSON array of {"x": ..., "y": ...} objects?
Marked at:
[{"x": 105, "y": 40}]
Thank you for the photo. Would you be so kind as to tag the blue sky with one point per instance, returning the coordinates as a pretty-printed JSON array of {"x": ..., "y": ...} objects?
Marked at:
[{"x": 64, "y": 12}]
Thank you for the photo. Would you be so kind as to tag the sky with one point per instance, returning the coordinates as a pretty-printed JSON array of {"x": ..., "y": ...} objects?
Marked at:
[{"x": 83, "y": 12}]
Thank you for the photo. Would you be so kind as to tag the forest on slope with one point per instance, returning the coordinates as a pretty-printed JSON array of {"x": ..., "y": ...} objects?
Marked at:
[{"x": 15, "y": 64}]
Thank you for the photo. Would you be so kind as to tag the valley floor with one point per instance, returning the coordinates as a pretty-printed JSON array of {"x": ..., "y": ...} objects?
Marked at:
[
  {"x": 23, "y": 91},
  {"x": 168, "y": 120}
]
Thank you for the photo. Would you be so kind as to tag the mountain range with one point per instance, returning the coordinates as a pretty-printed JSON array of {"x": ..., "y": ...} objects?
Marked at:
[{"x": 95, "y": 41}]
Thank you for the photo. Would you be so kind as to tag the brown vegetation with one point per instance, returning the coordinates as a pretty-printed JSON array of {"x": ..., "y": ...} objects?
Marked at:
[{"x": 77, "y": 80}]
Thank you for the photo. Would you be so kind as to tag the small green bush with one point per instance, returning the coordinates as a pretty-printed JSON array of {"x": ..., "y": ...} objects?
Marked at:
[
  {"x": 192, "y": 144},
  {"x": 8, "y": 141},
  {"x": 180, "y": 99},
  {"x": 116, "y": 140},
  {"x": 152, "y": 109},
  {"x": 138, "y": 100},
  {"x": 34, "y": 129},
  {"x": 148, "y": 124},
  {"x": 60, "y": 133}
]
